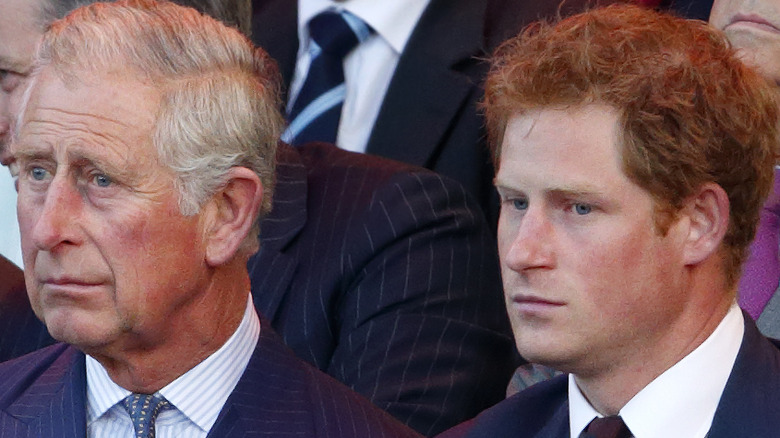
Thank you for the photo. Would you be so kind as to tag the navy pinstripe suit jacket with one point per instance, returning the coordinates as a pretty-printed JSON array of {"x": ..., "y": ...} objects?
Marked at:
[
  {"x": 43, "y": 395},
  {"x": 381, "y": 274},
  {"x": 747, "y": 409},
  {"x": 385, "y": 276}
]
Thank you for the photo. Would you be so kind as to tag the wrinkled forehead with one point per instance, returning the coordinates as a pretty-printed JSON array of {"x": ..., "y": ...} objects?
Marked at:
[{"x": 97, "y": 108}]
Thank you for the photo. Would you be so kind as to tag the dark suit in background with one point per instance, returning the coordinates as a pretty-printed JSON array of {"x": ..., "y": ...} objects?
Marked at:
[
  {"x": 20, "y": 330},
  {"x": 698, "y": 9},
  {"x": 42, "y": 395},
  {"x": 385, "y": 276},
  {"x": 381, "y": 274},
  {"x": 747, "y": 408},
  {"x": 429, "y": 116}
]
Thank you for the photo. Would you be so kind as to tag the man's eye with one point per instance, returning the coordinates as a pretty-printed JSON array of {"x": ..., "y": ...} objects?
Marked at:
[
  {"x": 520, "y": 204},
  {"x": 102, "y": 180},
  {"x": 38, "y": 173},
  {"x": 10, "y": 80},
  {"x": 582, "y": 208}
]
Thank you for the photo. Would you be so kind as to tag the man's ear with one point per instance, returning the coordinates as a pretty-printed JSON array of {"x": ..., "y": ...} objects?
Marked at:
[
  {"x": 231, "y": 214},
  {"x": 708, "y": 214}
]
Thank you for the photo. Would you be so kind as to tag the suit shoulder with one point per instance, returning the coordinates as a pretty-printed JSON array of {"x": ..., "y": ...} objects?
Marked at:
[
  {"x": 750, "y": 399},
  {"x": 21, "y": 373},
  {"x": 368, "y": 180},
  {"x": 327, "y": 158},
  {"x": 345, "y": 414},
  {"x": 305, "y": 400},
  {"x": 528, "y": 411}
]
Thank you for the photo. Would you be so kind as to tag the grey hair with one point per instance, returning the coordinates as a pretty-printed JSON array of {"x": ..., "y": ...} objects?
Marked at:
[
  {"x": 220, "y": 97},
  {"x": 235, "y": 13}
]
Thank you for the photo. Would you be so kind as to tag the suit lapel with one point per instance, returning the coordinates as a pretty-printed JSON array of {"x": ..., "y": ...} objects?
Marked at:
[
  {"x": 55, "y": 405},
  {"x": 435, "y": 69},
  {"x": 271, "y": 397},
  {"x": 749, "y": 404},
  {"x": 271, "y": 269},
  {"x": 558, "y": 426},
  {"x": 431, "y": 82}
]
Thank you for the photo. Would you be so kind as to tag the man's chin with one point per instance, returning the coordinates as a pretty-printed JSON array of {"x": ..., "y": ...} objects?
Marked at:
[{"x": 86, "y": 335}]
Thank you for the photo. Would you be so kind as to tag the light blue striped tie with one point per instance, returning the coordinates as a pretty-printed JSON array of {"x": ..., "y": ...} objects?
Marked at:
[
  {"x": 143, "y": 410},
  {"x": 316, "y": 111}
]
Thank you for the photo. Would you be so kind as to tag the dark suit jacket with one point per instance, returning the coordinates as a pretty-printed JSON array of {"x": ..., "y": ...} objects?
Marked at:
[
  {"x": 747, "y": 409},
  {"x": 44, "y": 395},
  {"x": 20, "y": 331},
  {"x": 381, "y": 274},
  {"x": 385, "y": 276},
  {"x": 429, "y": 116},
  {"x": 698, "y": 9}
]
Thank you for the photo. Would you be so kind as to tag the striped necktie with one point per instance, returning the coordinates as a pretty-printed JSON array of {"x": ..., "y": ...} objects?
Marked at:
[
  {"x": 143, "y": 410},
  {"x": 316, "y": 111},
  {"x": 606, "y": 427}
]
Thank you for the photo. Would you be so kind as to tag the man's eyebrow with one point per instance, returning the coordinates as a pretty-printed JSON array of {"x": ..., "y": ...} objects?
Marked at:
[
  {"x": 32, "y": 154},
  {"x": 76, "y": 158},
  {"x": 121, "y": 170},
  {"x": 15, "y": 65},
  {"x": 575, "y": 192},
  {"x": 560, "y": 192}
]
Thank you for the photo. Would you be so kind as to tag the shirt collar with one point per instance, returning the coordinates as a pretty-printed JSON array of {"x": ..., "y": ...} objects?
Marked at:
[
  {"x": 213, "y": 379},
  {"x": 681, "y": 401},
  {"x": 393, "y": 20}
]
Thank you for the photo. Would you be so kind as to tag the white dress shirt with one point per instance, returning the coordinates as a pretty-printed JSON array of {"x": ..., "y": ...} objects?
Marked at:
[
  {"x": 198, "y": 395},
  {"x": 681, "y": 402},
  {"x": 367, "y": 69},
  {"x": 10, "y": 242}
]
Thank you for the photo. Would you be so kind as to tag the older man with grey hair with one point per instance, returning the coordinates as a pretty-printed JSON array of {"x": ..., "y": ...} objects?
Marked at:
[{"x": 138, "y": 204}]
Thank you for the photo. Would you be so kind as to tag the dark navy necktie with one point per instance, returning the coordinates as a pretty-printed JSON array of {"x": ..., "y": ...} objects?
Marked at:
[
  {"x": 316, "y": 111},
  {"x": 143, "y": 410},
  {"x": 606, "y": 427}
]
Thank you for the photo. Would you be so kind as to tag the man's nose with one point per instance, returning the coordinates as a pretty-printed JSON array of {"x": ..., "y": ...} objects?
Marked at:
[
  {"x": 56, "y": 222},
  {"x": 530, "y": 241}
]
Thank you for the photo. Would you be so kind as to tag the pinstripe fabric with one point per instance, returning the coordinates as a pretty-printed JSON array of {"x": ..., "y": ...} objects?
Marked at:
[
  {"x": 385, "y": 276},
  {"x": 278, "y": 395},
  {"x": 20, "y": 331},
  {"x": 197, "y": 396}
]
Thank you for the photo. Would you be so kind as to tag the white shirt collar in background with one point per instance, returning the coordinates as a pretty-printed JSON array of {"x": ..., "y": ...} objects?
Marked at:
[
  {"x": 369, "y": 68},
  {"x": 393, "y": 20}
]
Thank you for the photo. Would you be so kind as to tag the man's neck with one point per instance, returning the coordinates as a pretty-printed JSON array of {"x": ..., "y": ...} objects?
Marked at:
[
  {"x": 613, "y": 385},
  {"x": 198, "y": 332}
]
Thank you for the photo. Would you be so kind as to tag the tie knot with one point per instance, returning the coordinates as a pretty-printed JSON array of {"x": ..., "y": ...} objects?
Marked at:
[
  {"x": 337, "y": 33},
  {"x": 143, "y": 410},
  {"x": 607, "y": 427}
]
